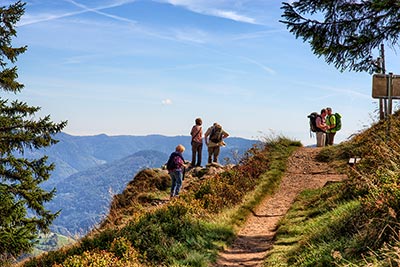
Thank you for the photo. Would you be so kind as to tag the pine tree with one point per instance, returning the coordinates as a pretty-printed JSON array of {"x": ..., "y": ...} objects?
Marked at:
[
  {"x": 345, "y": 32},
  {"x": 22, "y": 212}
]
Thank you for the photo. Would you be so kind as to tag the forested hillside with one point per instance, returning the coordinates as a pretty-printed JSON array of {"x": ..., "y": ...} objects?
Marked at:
[
  {"x": 74, "y": 154},
  {"x": 91, "y": 169},
  {"x": 84, "y": 198}
]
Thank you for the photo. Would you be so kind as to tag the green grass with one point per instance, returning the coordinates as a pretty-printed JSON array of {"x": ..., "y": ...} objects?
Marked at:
[
  {"x": 268, "y": 181},
  {"x": 184, "y": 232},
  {"x": 355, "y": 223},
  {"x": 316, "y": 229}
]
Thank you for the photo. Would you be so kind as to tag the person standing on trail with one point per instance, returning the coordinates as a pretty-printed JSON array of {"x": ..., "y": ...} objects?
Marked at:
[
  {"x": 214, "y": 140},
  {"x": 197, "y": 142},
  {"x": 331, "y": 124},
  {"x": 321, "y": 128},
  {"x": 176, "y": 168}
]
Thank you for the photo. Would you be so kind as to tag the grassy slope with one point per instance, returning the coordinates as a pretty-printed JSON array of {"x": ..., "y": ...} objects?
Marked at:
[
  {"x": 50, "y": 242},
  {"x": 141, "y": 232},
  {"x": 355, "y": 223}
]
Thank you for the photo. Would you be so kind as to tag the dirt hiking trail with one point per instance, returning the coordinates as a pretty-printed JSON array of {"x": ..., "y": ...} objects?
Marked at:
[{"x": 256, "y": 237}]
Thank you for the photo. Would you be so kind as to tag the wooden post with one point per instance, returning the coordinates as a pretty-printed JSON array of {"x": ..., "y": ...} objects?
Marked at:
[
  {"x": 381, "y": 111},
  {"x": 383, "y": 71},
  {"x": 390, "y": 92},
  {"x": 383, "y": 102}
]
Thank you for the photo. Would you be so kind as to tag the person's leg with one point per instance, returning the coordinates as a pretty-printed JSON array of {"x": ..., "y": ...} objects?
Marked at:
[
  {"x": 331, "y": 138},
  {"x": 210, "y": 152},
  {"x": 194, "y": 150},
  {"x": 216, "y": 153},
  {"x": 320, "y": 139},
  {"x": 173, "y": 184},
  {"x": 199, "y": 154},
  {"x": 327, "y": 139},
  {"x": 178, "y": 177}
]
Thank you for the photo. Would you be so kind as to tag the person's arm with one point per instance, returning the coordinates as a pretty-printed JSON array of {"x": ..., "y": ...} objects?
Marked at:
[
  {"x": 206, "y": 135},
  {"x": 192, "y": 131},
  {"x": 318, "y": 122}
]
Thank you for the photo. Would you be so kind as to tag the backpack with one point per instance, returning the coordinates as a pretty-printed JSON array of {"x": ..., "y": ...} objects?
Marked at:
[
  {"x": 338, "y": 118},
  {"x": 313, "y": 124},
  {"x": 171, "y": 165},
  {"x": 216, "y": 134}
]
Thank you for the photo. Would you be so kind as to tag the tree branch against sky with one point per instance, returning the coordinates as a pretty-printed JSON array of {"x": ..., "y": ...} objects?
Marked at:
[
  {"x": 22, "y": 212},
  {"x": 345, "y": 33}
]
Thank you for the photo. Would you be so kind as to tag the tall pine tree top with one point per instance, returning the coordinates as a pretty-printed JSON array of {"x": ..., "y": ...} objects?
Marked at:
[
  {"x": 344, "y": 32},
  {"x": 22, "y": 212}
]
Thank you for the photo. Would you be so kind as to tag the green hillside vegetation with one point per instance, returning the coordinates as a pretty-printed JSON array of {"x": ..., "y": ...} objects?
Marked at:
[
  {"x": 355, "y": 223},
  {"x": 145, "y": 229},
  {"x": 50, "y": 241},
  {"x": 84, "y": 197},
  {"x": 352, "y": 223}
]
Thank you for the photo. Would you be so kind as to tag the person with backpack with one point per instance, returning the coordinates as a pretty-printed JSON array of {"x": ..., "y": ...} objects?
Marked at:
[
  {"x": 334, "y": 124},
  {"x": 214, "y": 140},
  {"x": 197, "y": 142},
  {"x": 331, "y": 124},
  {"x": 176, "y": 168},
  {"x": 321, "y": 128}
]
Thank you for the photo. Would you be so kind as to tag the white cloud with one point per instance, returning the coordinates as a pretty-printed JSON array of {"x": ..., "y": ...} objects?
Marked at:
[
  {"x": 32, "y": 19},
  {"x": 232, "y": 15},
  {"x": 212, "y": 8},
  {"x": 29, "y": 19},
  {"x": 167, "y": 102},
  {"x": 97, "y": 10}
]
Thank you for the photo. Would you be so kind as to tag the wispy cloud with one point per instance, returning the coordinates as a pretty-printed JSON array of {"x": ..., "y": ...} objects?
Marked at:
[
  {"x": 257, "y": 34},
  {"x": 333, "y": 91},
  {"x": 191, "y": 35},
  {"x": 97, "y": 10},
  {"x": 263, "y": 67},
  {"x": 232, "y": 15},
  {"x": 211, "y": 9},
  {"x": 29, "y": 19}
]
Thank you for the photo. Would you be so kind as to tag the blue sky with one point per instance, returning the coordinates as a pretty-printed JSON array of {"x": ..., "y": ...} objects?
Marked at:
[{"x": 126, "y": 67}]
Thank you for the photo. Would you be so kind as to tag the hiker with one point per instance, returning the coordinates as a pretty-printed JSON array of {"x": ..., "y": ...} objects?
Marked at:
[
  {"x": 197, "y": 142},
  {"x": 321, "y": 128},
  {"x": 214, "y": 140},
  {"x": 331, "y": 125},
  {"x": 176, "y": 168}
]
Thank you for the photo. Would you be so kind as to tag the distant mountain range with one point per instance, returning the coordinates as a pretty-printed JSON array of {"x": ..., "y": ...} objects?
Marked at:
[{"x": 91, "y": 169}]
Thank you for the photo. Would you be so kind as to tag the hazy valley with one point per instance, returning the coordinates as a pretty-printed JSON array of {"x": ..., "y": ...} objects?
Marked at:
[{"x": 91, "y": 169}]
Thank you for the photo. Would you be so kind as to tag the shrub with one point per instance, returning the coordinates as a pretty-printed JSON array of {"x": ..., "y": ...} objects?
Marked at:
[{"x": 97, "y": 259}]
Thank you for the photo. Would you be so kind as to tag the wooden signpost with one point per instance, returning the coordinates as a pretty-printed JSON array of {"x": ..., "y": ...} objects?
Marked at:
[{"x": 387, "y": 87}]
